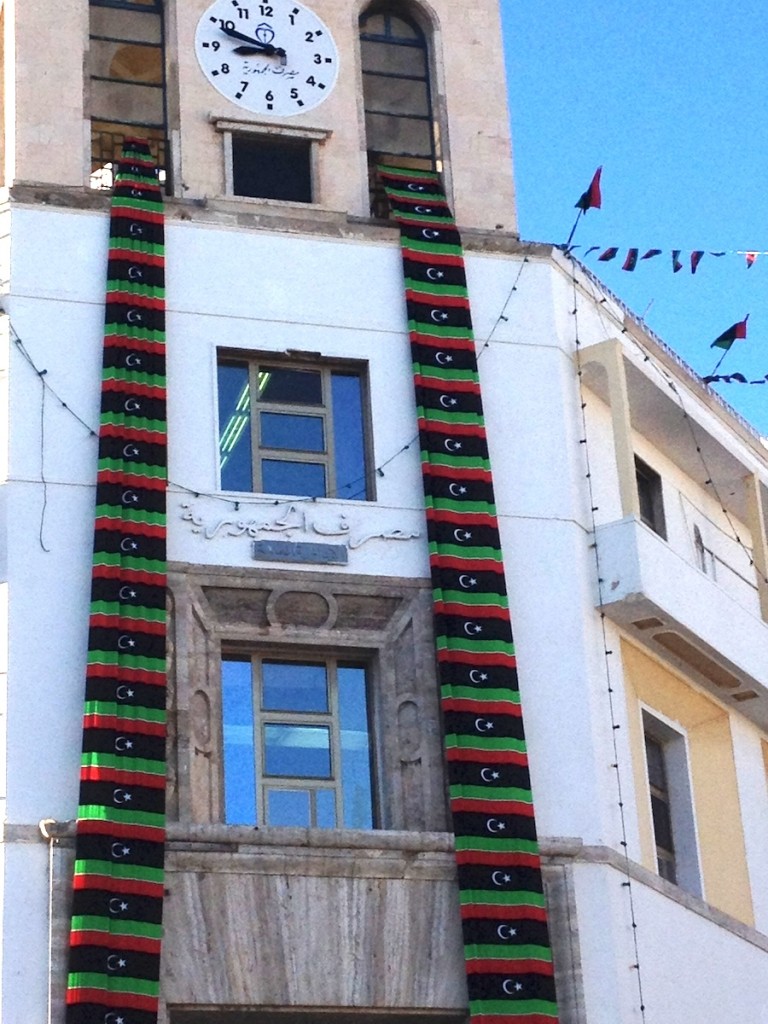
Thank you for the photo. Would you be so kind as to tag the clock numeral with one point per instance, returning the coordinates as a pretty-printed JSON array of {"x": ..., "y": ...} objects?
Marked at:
[
  {"x": 294, "y": 94},
  {"x": 269, "y": 96},
  {"x": 244, "y": 13},
  {"x": 225, "y": 69},
  {"x": 214, "y": 45},
  {"x": 310, "y": 36},
  {"x": 292, "y": 15},
  {"x": 243, "y": 87},
  {"x": 311, "y": 80},
  {"x": 318, "y": 59},
  {"x": 266, "y": 11},
  {"x": 226, "y": 24}
]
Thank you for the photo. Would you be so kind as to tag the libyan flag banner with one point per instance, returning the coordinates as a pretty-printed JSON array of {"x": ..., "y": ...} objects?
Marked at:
[{"x": 114, "y": 954}]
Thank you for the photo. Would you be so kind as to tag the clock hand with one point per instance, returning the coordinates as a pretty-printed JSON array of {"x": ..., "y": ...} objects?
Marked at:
[{"x": 258, "y": 47}]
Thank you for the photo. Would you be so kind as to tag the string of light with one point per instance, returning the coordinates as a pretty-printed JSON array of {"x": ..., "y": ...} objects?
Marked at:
[
  {"x": 607, "y": 651},
  {"x": 254, "y": 501}
]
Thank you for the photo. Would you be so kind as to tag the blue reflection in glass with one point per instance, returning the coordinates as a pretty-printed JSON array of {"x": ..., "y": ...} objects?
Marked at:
[
  {"x": 239, "y": 762},
  {"x": 355, "y": 747},
  {"x": 293, "y": 686},
  {"x": 297, "y": 750},
  {"x": 325, "y": 808},
  {"x": 292, "y": 432},
  {"x": 301, "y": 478},
  {"x": 292, "y": 387},
  {"x": 235, "y": 427},
  {"x": 348, "y": 435},
  {"x": 288, "y": 807}
]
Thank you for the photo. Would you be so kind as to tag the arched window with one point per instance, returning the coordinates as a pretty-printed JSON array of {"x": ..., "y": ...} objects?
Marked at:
[
  {"x": 127, "y": 81},
  {"x": 397, "y": 93}
]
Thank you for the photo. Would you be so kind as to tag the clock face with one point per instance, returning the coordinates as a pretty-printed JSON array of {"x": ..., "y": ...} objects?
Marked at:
[{"x": 275, "y": 58}]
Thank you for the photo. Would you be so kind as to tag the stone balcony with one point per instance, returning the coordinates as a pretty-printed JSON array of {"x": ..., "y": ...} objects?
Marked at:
[{"x": 656, "y": 594}]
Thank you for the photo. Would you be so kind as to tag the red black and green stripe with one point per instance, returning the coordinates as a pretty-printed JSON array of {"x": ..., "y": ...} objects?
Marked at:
[
  {"x": 507, "y": 948},
  {"x": 114, "y": 958}
]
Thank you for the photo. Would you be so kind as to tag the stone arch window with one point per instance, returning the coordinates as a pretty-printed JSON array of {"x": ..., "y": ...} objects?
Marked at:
[
  {"x": 126, "y": 94},
  {"x": 397, "y": 93}
]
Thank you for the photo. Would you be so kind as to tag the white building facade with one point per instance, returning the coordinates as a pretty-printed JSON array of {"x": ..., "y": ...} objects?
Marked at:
[{"x": 631, "y": 505}]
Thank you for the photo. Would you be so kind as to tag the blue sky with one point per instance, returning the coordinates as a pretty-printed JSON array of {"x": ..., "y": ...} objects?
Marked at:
[{"x": 670, "y": 97}]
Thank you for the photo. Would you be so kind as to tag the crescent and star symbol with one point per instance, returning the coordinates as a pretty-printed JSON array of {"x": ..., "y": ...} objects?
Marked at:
[
  {"x": 128, "y": 544},
  {"x": 124, "y": 692},
  {"x": 133, "y": 316},
  {"x": 451, "y": 445},
  {"x": 438, "y": 315},
  {"x": 433, "y": 274},
  {"x": 457, "y": 490},
  {"x": 462, "y": 535},
  {"x": 443, "y": 358},
  {"x": 117, "y": 906},
  {"x": 135, "y": 273},
  {"x": 505, "y": 879},
  {"x": 135, "y": 230},
  {"x": 132, "y": 359},
  {"x": 422, "y": 209},
  {"x": 114, "y": 1018},
  {"x": 119, "y": 850},
  {"x": 516, "y": 986},
  {"x": 115, "y": 962},
  {"x": 125, "y": 642},
  {"x": 494, "y": 825},
  {"x": 129, "y": 498},
  {"x": 430, "y": 233},
  {"x": 413, "y": 187},
  {"x": 483, "y": 725},
  {"x": 472, "y": 628},
  {"x": 127, "y": 594},
  {"x": 447, "y": 401},
  {"x": 511, "y": 932},
  {"x": 122, "y": 796},
  {"x": 123, "y": 744},
  {"x": 492, "y": 775},
  {"x": 132, "y": 405},
  {"x": 476, "y": 676},
  {"x": 467, "y": 583},
  {"x": 130, "y": 451}
]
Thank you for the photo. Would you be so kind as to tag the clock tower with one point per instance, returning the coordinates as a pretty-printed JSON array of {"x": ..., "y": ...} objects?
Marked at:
[{"x": 296, "y": 433}]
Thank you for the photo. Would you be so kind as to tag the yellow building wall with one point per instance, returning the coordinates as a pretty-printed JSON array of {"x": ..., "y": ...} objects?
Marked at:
[{"x": 717, "y": 811}]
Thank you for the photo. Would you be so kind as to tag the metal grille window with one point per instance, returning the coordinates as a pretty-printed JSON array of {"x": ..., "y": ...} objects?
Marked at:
[
  {"x": 127, "y": 82},
  {"x": 297, "y": 747},
  {"x": 293, "y": 430},
  {"x": 400, "y": 128}
]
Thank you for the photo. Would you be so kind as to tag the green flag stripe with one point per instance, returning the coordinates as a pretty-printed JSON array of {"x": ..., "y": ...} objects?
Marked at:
[
  {"x": 128, "y": 764},
  {"x": 108, "y": 867},
  {"x": 110, "y": 983},
  {"x": 114, "y": 927}
]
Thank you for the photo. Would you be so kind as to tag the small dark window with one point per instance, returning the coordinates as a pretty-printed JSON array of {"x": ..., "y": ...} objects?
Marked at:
[
  {"x": 649, "y": 493},
  {"x": 267, "y": 168}
]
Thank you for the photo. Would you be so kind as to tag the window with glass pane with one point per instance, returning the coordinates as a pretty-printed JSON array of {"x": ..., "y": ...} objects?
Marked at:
[
  {"x": 292, "y": 430},
  {"x": 127, "y": 82},
  {"x": 297, "y": 746},
  {"x": 399, "y": 124}
]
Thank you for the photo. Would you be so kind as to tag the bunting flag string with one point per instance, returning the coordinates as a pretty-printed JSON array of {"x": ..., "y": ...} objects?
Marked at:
[
  {"x": 694, "y": 258},
  {"x": 114, "y": 956},
  {"x": 508, "y": 953}
]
